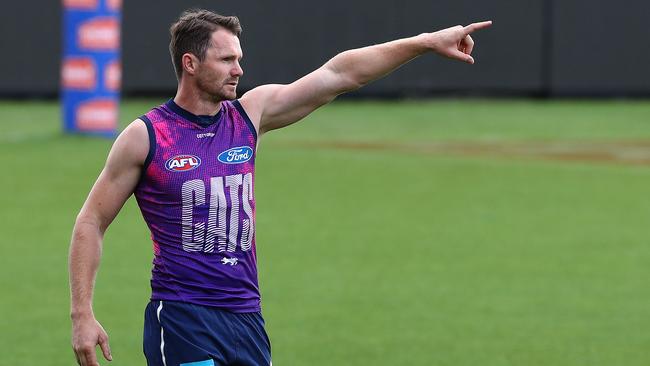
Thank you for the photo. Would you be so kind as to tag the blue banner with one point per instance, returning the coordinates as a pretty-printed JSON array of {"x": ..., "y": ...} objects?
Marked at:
[{"x": 91, "y": 70}]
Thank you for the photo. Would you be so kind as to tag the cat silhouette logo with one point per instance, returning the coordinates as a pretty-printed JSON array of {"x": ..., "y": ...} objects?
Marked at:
[{"x": 231, "y": 261}]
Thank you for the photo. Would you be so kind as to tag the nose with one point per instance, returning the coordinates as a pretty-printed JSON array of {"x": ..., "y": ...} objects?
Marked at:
[{"x": 237, "y": 70}]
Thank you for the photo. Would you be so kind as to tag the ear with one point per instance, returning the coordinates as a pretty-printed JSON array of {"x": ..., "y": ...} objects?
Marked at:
[{"x": 190, "y": 63}]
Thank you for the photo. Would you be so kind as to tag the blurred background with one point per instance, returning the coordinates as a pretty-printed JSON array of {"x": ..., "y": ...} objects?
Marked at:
[
  {"x": 535, "y": 48},
  {"x": 448, "y": 214}
]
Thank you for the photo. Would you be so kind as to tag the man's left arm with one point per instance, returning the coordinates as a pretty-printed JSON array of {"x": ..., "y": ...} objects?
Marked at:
[{"x": 274, "y": 106}]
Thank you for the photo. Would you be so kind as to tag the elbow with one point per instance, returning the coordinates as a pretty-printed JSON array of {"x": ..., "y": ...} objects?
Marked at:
[
  {"x": 345, "y": 79},
  {"x": 85, "y": 223},
  {"x": 348, "y": 82},
  {"x": 355, "y": 83}
]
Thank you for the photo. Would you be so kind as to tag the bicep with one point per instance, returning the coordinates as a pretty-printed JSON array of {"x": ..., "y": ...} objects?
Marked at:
[
  {"x": 108, "y": 195},
  {"x": 118, "y": 178},
  {"x": 276, "y": 106}
]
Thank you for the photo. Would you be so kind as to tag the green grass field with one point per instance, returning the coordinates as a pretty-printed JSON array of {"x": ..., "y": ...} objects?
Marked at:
[{"x": 369, "y": 257}]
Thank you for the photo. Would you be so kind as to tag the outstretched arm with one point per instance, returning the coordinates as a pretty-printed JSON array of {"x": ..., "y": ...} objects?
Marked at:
[
  {"x": 113, "y": 187},
  {"x": 274, "y": 106}
]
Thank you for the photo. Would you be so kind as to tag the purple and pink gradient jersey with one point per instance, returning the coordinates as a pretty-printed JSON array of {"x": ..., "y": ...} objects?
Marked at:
[{"x": 196, "y": 196}]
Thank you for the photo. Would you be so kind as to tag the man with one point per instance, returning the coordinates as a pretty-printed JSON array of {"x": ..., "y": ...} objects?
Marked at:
[{"x": 190, "y": 164}]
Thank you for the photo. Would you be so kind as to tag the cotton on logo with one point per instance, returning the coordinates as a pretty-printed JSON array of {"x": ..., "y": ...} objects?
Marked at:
[
  {"x": 81, "y": 4},
  {"x": 79, "y": 73},
  {"x": 182, "y": 163},
  {"x": 98, "y": 114},
  {"x": 113, "y": 76},
  {"x": 99, "y": 34},
  {"x": 114, "y": 5}
]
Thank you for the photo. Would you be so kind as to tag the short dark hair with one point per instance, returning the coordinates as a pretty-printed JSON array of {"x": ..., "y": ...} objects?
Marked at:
[{"x": 192, "y": 32}]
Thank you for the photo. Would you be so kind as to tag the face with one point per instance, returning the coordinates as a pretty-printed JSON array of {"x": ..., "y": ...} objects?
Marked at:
[{"x": 218, "y": 74}]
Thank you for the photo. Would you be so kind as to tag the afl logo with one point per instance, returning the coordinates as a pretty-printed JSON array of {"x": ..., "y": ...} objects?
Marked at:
[
  {"x": 182, "y": 163},
  {"x": 236, "y": 155}
]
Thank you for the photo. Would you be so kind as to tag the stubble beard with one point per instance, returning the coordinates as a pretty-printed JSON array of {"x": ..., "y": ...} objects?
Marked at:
[{"x": 216, "y": 92}]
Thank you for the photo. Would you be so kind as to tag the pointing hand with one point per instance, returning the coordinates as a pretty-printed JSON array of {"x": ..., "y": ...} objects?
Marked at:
[{"x": 455, "y": 42}]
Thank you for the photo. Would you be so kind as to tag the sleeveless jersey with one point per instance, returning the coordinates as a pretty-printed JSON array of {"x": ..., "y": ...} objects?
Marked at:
[{"x": 196, "y": 196}]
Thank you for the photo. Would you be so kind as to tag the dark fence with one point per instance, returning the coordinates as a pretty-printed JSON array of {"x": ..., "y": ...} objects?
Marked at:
[{"x": 536, "y": 47}]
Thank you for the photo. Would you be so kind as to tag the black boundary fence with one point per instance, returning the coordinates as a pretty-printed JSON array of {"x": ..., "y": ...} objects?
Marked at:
[{"x": 535, "y": 48}]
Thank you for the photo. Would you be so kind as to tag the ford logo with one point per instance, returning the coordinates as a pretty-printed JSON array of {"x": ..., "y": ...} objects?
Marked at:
[{"x": 236, "y": 155}]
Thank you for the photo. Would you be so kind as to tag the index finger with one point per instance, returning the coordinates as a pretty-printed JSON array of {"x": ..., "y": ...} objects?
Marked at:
[
  {"x": 88, "y": 357},
  {"x": 477, "y": 26}
]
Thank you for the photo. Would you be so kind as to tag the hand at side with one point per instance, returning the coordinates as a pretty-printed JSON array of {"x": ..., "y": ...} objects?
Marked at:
[{"x": 87, "y": 333}]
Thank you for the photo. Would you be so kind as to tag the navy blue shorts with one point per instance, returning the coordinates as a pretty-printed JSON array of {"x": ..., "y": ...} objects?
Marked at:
[{"x": 182, "y": 334}]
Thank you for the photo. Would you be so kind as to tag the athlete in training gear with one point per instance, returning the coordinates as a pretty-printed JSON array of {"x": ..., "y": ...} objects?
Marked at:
[
  {"x": 190, "y": 164},
  {"x": 196, "y": 195}
]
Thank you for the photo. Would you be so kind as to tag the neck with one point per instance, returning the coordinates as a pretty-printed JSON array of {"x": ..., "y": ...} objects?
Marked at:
[{"x": 196, "y": 102}]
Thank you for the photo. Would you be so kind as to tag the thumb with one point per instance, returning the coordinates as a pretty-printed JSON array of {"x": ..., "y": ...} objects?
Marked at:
[
  {"x": 461, "y": 56},
  {"x": 106, "y": 349}
]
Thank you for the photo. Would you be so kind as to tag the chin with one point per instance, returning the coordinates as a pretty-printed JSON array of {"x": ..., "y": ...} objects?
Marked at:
[
  {"x": 230, "y": 96},
  {"x": 219, "y": 96}
]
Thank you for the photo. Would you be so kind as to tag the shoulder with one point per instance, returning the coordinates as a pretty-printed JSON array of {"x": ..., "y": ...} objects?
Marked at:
[
  {"x": 135, "y": 133},
  {"x": 255, "y": 100},
  {"x": 132, "y": 145}
]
